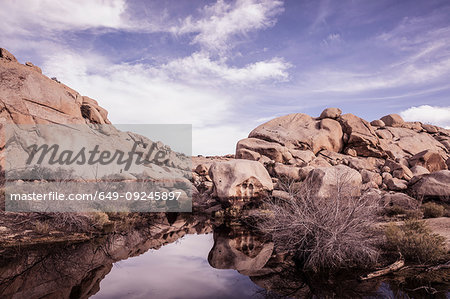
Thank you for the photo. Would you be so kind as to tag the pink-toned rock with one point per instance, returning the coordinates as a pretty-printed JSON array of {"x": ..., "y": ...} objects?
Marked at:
[
  {"x": 102, "y": 111},
  {"x": 384, "y": 134},
  {"x": 429, "y": 128},
  {"x": 369, "y": 176},
  {"x": 240, "y": 179},
  {"x": 272, "y": 150},
  {"x": 399, "y": 199},
  {"x": 201, "y": 169},
  {"x": 419, "y": 170},
  {"x": 5, "y": 55},
  {"x": 302, "y": 157},
  {"x": 377, "y": 123},
  {"x": 429, "y": 159},
  {"x": 359, "y": 163},
  {"x": 351, "y": 152},
  {"x": 361, "y": 136},
  {"x": 30, "y": 97},
  {"x": 331, "y": 113},
  {"x": 304, "y": 171},
  {"x": 324, "y": 182},
  {"x": 393, "y": 120},
  {"x": 396, "y": 184},
  {"x": 247, "y": 154},
  {"x": 435, "y": 185},
  {"x": 302, "y": 132},
  {"x": 413, "y": 125},
  {"x": 282, "y": 171},
  {"x": 34, "y": 67},
  {"x": 406, "y": 143},
  {"x": 92, "y": 114},
  {"x": 319, "y": 162},
  {"x": 399, "y": 170}
]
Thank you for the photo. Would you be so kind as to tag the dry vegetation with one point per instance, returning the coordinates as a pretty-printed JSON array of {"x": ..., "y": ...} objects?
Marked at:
[
  {"x": 324, "y": 233},
  {"x": 415, "y": 242},
  {"x": 432, "y": 210}
]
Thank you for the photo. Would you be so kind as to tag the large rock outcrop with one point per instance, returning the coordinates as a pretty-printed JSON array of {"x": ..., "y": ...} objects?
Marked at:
[
  {"x": 388, "y": 152},
  {"x": 28, "y": 97},
  {"x": 301, "y": 132},
  {"x": 43, "y": 111}
]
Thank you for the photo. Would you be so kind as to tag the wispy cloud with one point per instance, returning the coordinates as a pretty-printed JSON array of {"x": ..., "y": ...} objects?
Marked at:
[
  {"x": 222, "y": 21},
  {"x": 212, "y": 65},
  {"x": 199, "y": 68},
  {"x": 435, "y": 115},
  {"x": 203, "y": 93}
]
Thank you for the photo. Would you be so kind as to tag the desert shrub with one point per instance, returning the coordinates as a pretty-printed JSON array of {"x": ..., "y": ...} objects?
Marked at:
[
  {"x": 324, "y": 233},
  {"x": 432, "y": 210},
  {"x": 415, "y": 241},
  {"x": 42, "y": 227},
  {"x": 395, "y": 210},
  {"x": 403, "y": 213},
  {"x": 414, "y": 214},
  {"x": 99, "y": 219},
  {"x": 67, "y": 221}
]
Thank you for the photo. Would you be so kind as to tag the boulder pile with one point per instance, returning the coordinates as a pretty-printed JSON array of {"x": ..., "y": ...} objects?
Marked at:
[{"x": 386, "y": 156}]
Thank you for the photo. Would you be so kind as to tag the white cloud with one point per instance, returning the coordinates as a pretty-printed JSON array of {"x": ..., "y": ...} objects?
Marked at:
[
  {"x": 222, "y": 21},
  {"x": 144, "y": 94},
  {"x": 435, "y": 115},
  {"x": 28, "y": 16},
  {"x": 138, "y": 93},
  {"x": 200, "y": 69},
  {"x": 198, "y": 89}
]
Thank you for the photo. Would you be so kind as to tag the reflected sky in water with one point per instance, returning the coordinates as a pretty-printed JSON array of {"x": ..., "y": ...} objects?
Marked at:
[{"x": 177, "y": 270}]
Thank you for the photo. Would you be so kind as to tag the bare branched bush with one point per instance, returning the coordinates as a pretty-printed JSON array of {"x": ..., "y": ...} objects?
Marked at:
[{"x": 324, "y": 233}]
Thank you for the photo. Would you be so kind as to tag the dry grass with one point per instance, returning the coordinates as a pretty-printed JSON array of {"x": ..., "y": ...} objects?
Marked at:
[
  {"x": 432, "y": 210},
  {"x": 42, "y": 227},
  {"x": 324, "y": 233},
  {"x": 403, "y": 213},
  {"x": 415, "y": 241}
]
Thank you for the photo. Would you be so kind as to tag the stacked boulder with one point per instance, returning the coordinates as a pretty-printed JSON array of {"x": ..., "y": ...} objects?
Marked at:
[{"x": 387, "y": 155}]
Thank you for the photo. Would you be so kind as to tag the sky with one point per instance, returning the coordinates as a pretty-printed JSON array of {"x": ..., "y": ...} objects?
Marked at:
[{"x": 227, "y": 66}]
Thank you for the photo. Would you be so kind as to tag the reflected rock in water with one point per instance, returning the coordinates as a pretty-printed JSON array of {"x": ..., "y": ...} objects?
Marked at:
[
  {"x": 75, "y": 271},
  {"x": 239, "y": 249}
]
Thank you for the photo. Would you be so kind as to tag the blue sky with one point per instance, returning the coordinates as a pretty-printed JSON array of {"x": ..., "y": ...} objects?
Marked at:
[{"x": 227, "y": 66}]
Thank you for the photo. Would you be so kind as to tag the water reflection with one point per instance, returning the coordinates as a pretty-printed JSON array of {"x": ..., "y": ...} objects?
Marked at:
[{"x": 179, "y": 257}]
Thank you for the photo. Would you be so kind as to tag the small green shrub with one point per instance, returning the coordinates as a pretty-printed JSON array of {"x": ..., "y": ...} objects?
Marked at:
[
  {"x": 432, "y": 210},
  {"x": 415, "y": 241}
]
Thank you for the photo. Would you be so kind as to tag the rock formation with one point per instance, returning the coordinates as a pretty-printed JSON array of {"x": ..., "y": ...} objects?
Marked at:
[
  {"x": 240, "y": 179},
  {"x": 388, "y": 154},
  {"x": 44, "y": 111}
]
